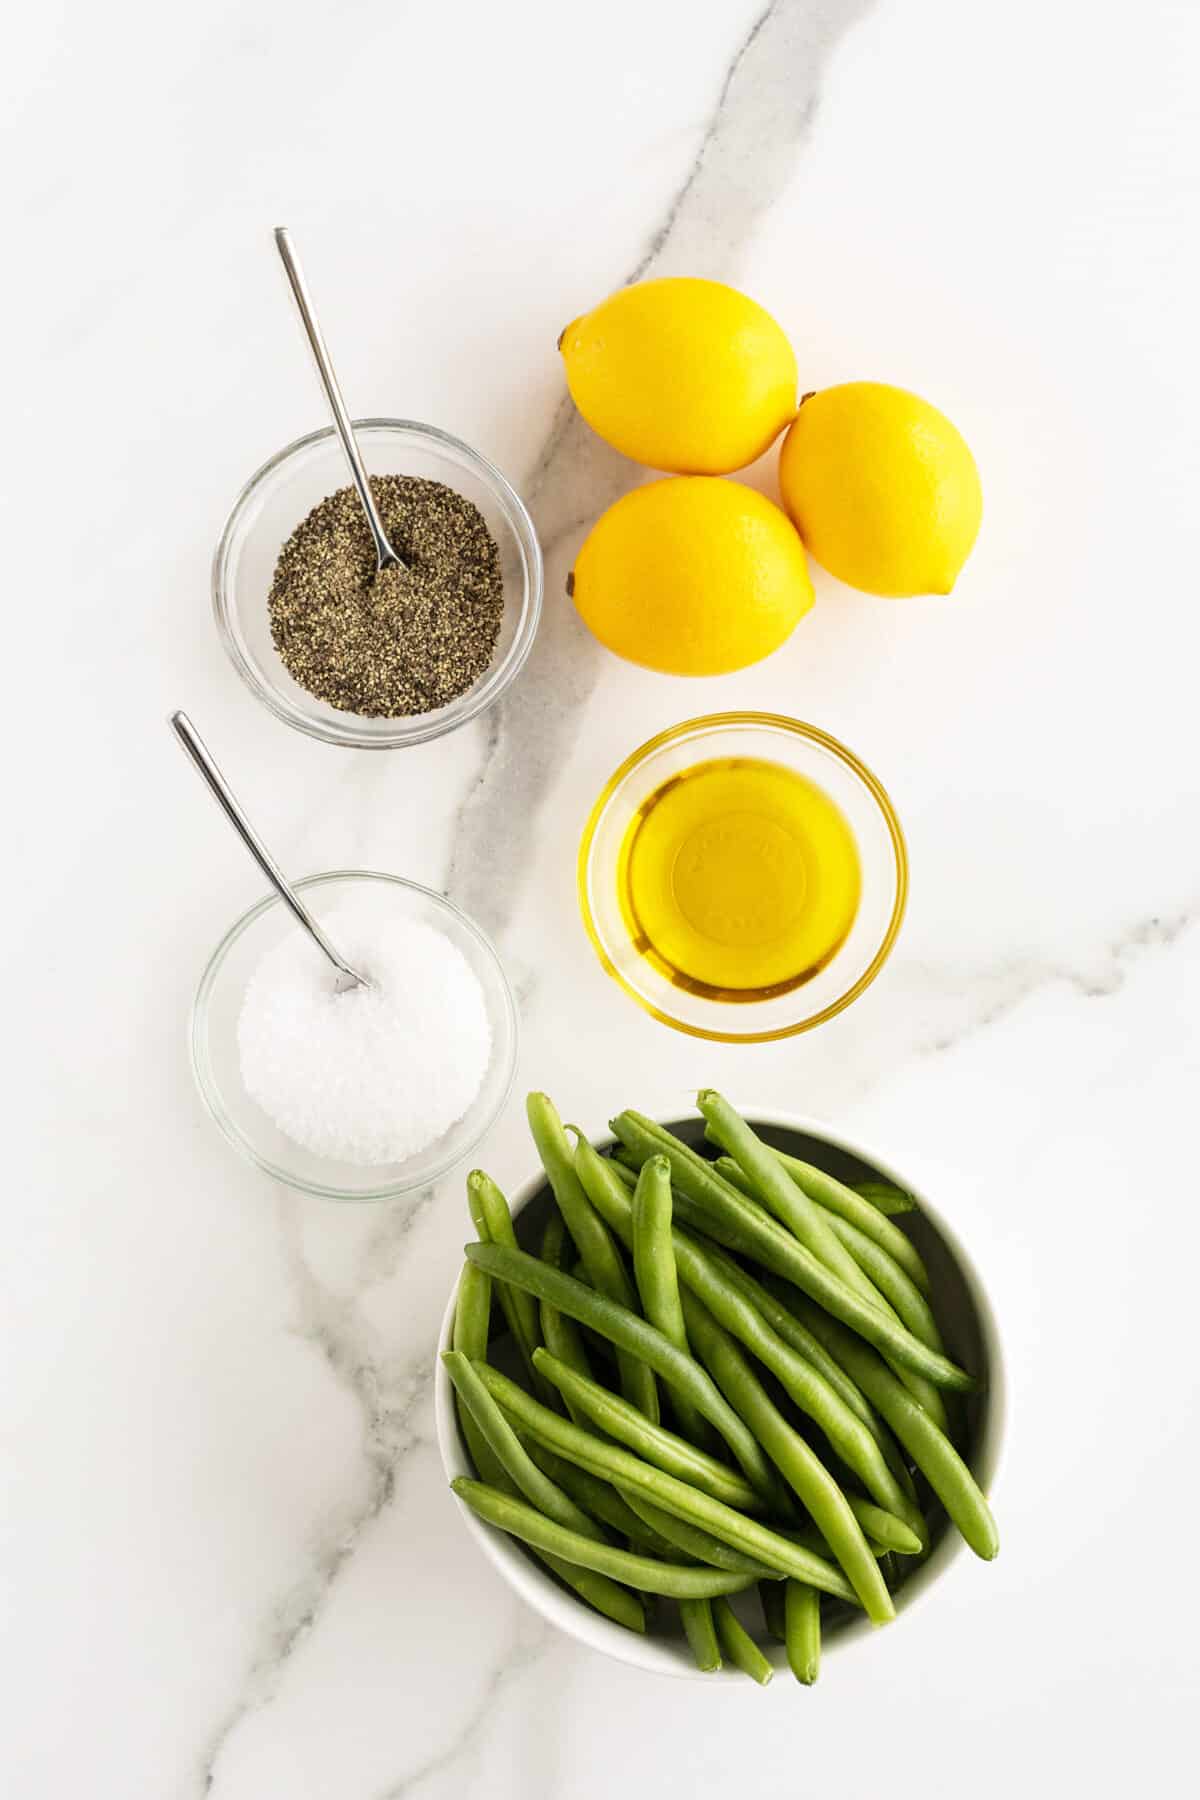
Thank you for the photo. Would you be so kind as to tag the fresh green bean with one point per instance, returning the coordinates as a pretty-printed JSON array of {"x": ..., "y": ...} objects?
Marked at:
[
  {"x": 493, "y": 1222},
  {"x": 592, "y": 1239},
  {"x": 533, "y": 1483},
  {"x": 612, "y": 1463},
  {"x": 596, "y": 1172},
  {"x": 774, "y": 1303},
  {"x": 802, "y": 1625},
  {"x": 885, "y": 1530},
  {"x": 653, "y": 1254},
  {"x": 777, "y": 1250},
  {"x": 553, "y": 1248},
  {"x": 771, "y": 1595},
  {"x": 484, "y": 1461},
  {"x": 852, "y": 1204},
  {"x": 702, "y": 1198},
  {"x": 473, "y": 1313},
  {"x": 777, "y": 1316},
  {"x": 812, "y": 1540},
  {"x": 930, "y": 1449},
  {"x": 607, "y": 1596},
  {"x": 472, "y": 1320},
  {"x": 701, "y": 1633},
  {"x": 799, "y": 1464},
  {"x": 623, "y": 1170},
  {"x": 472, "y": 1328},
  {"x": 925, "y": 1392},
  {"x": 657, "y": 1278},
  {"x": 597, "y": 1497},
  {"x": 890, "y": 1527},
  {"x": 737, "y": 1644},
  {"x": 893, "y": 1281},
  {"x": 700, "y": 1545},
  {"x": 601, "y": 1591},
  {"x": 679, "y": 1580},
  {"x": 712, "y": 1284},
  {"x": 885, "y": 1196},
  {"x": 609, "y": 1199},
  {"x": 919, "y": 1385},
  {"x": 609, "y": 1413},
  {"x": 789, "y": 1201},
  {"x": 789, "y": 1328},
  {"x": 561, "y": 1335},
  {"x": 630, "y": 1332},
  {"x": 730, "y": 1170},
  {"x": 856, "y": 1446},
  {"x": 782, "y": 1196},
  {"x": 889, "y": 1277}
]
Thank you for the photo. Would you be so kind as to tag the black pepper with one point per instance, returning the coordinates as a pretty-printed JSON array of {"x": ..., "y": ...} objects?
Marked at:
[{"x": 389, "y": 643}]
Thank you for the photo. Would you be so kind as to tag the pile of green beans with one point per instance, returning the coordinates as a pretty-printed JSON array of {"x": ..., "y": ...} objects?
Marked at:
[{"x": 779, "y": 1425}]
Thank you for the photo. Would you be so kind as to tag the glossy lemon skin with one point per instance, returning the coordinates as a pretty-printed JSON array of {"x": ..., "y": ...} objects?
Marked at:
[
  {"x": 692, "y": 576},
  {"x": 882, "y": 488},
  {"x": 684, "y": 375}
]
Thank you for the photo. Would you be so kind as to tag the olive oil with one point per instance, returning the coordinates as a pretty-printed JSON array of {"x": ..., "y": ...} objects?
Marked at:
[{"x": 738, "y": 879}]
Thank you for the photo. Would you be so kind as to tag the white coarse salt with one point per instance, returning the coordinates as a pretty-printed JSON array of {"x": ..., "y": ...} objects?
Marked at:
[{"x": 376, "y": 1074}]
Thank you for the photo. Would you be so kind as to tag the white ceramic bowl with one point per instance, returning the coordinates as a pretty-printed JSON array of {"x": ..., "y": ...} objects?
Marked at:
[{"x": 963, "y": 1311}]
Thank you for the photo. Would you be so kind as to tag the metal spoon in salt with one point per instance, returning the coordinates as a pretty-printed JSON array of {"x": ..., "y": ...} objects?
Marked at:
[
  {"x": 387, "y": 558},
  {"x": 196, "y": 748}
]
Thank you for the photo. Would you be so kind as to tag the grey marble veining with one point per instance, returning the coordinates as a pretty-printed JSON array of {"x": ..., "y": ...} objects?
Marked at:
[
  {"x": 388, "y": 1392},
  {"x": 765, "y": 105},
  {"x": 750, "y": 143}
]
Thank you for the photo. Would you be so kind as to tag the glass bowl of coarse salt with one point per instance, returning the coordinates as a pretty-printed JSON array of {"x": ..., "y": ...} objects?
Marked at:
[
  {"x": 367, "y": 1094},
  {"x": 284, "y": 493}
]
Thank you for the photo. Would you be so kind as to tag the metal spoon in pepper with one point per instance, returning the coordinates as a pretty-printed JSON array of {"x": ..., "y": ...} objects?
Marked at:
[{"x": 386, "y": 556}]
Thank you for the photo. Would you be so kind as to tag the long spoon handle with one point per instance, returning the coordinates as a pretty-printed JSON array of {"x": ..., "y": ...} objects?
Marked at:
[
  {"x": 333, "y": 393},
  {"x": 196, "y": 748}
]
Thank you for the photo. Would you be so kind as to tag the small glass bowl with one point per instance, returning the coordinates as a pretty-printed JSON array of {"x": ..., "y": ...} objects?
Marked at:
[
  {"x": 869, "y": 813},
  {"x": 217, "y": 1066},
  {"x": 284, "y": 491}
]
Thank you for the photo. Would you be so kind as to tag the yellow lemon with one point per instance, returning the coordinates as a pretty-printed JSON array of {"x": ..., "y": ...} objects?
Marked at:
[
  {"x": 692, "y": 576},
  {"x": 882, "y": 489},
  {"x": 680, "y": 374}
]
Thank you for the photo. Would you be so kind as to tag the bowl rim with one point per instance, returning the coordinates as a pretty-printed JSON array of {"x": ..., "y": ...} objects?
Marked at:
[
  {"x": 560, "y": 1608},
  {"x": 797, "y": 728},
  {"x": 209, "y": 1090},
  {"x": 424, "y": 727}
]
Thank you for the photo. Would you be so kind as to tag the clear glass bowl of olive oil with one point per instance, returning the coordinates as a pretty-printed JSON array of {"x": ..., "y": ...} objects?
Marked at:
[{"x": 743, "y": 876}]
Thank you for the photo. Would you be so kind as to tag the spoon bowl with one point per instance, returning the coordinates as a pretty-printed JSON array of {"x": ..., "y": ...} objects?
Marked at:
[{"x": 216, "y": 1057}]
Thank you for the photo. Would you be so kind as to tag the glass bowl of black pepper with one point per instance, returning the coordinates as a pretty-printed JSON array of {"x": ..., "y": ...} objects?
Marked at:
[{"x": 378, "y": 664}]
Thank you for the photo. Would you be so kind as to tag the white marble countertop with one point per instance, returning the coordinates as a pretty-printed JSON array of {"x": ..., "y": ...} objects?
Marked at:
[{"x": 231, "y": 1566}]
